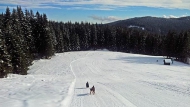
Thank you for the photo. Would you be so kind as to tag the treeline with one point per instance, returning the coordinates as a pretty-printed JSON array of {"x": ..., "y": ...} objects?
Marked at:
[{"x": 25, "y": 36}]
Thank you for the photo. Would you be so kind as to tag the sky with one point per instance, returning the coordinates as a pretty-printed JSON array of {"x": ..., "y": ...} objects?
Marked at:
[{"x": 101, "y": 11}]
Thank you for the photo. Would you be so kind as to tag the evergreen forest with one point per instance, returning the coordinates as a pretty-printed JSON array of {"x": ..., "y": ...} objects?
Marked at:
[{"x": 26, "y": 36}]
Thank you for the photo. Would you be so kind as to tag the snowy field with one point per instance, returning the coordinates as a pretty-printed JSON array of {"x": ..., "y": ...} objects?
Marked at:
[{"x": 120, "y": 80}]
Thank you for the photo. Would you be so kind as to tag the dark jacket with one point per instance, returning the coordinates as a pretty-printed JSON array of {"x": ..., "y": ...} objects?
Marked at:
[{"x": 87, "y": 85}]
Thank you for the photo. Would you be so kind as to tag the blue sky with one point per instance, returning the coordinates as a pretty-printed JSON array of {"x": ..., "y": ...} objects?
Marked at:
[{"x": 102, "y": 11}]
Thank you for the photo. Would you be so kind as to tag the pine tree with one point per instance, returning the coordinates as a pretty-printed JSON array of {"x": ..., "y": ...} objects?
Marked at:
[
  {"x": 53, "y": 35},
  {"x": 67, "y": 34},
  {"x": 32, "y": 22},
  {"x": 134, "y": 41},
  {"x": 149, "y": 44},
  {"x": 107, "y": 35},
  {"x": 94, "y": 36},
  {"x": 59, "y": 35},
  {"x": 47, "y": 39},
  {"x": 5, "y": 58},
  {"x": 179, "y": 46},
  {"x": 78, "y": 48},
  {"x": 169, "y": 44},
  {"x": 87, "y": 36},
  {"x": 126, "y": 37},
  {"x": 36, "y": 34},
  {"x": 119, "y": 39},
  {"x": 101, "y": 36},
  {"x": 186, "y": 48},
  {"x": 142, "y": 44},
  {"x": 28, "y": 39},
  {"x": 6, "y": 29},
  {"x": 19, "y": 55}
]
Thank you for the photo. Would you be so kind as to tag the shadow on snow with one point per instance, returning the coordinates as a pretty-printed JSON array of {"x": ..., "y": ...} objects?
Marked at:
[
  {"x": 147, "y": 60},
  {"x": 82, "y": 94},
  {"x": 80, "y": 88}
]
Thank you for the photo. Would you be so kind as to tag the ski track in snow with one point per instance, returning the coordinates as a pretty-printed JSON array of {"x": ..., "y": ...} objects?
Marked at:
[
  {"x": 120, "y": 80},
  {"x": 66, "y": 102}
]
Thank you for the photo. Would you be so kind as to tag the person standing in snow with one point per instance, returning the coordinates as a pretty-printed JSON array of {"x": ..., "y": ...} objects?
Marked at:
[{"x": 87, "y": 85}]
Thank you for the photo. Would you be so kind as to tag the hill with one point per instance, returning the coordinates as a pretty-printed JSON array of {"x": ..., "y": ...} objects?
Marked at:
[{"x": 155, "y": 24}]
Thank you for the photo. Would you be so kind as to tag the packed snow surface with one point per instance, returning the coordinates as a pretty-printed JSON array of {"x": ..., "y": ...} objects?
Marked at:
[{"x": 120, "y": 80}]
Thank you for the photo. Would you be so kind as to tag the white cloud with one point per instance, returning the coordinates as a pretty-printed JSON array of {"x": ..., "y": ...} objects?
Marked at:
[
  {"x": 29, "y": 3},
  {"x": 105, "y": 19},
  {"x": 91, "y": 8},
  {"x": 182, "y": 4}
]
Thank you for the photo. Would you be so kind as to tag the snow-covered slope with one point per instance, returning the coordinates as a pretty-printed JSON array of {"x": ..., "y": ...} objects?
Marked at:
[{"x": 120, "y": 80}]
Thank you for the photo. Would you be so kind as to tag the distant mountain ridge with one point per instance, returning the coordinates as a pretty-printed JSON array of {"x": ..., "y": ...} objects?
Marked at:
[{"x": 155, "y": 24}]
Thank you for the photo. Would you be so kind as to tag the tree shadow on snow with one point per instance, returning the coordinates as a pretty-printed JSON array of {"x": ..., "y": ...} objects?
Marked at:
[
  {"x": 82, "y": 94},
  {"x": 80, "y": 88},
  {"x": 148, "y": 60},
  {"x": 141, "y": 60}
]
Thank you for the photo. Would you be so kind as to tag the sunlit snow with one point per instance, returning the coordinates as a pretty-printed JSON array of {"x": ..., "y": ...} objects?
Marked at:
[{"x": 120, "y": 80}]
